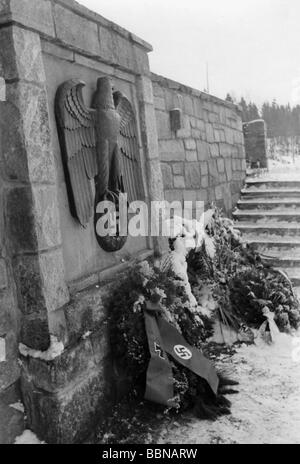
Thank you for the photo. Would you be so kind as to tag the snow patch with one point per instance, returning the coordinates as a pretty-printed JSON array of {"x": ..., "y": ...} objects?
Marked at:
[
  {"x": 267, "y": 408},
  {"x": 18, "y": 407},
  {"x": 86, "y": 335},
  {"x": 55, "y": 349},
  {"x": 28, "y": 438}
]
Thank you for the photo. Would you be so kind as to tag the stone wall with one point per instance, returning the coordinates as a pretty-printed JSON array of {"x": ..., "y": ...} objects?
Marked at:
[
  {"x": 54, "y": 279},
  {"x": 53, "y": 276},
  {"x": 255, "y": 134},
  {"x": 205, "y": 159}
]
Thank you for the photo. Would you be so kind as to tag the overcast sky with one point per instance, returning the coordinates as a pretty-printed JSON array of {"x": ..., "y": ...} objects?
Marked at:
[{"x": 252, "y": 46}]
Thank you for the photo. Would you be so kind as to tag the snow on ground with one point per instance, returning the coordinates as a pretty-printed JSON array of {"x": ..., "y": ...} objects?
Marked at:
[
  {"x": 267, "y": 408},
  {"x": 286, "y": 168},
  {"x": 18, "y": 407},
  {"x": 55, "y": 349},
  {"x": 28, "y": 438}
]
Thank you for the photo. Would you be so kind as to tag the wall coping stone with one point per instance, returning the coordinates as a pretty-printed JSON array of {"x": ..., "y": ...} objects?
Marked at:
[
  {"x": 89, "y": 14},
  {"x": 175, "y": 85},
  {"x": 10, "y": 11}
]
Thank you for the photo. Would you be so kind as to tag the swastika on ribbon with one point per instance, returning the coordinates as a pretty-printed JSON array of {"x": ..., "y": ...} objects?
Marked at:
[
  {"x": 159, "y": 351},
  {"x": 182, "y": 352}
]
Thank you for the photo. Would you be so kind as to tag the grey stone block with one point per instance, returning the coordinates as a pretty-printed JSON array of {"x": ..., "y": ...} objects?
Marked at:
[
  {"x": 163, "y": 125},
  {"x": 148, "y": 128},
  {"x": 32, "y": 218},
  {"x": 160, "y": 103},
  {"x": 179, "y": 182},
  {"x": 213, "y": 117},
  {"x": 192, "y": 175},
  {"x": 174, "y": 195},
  {"x": 20, "y": 55},
  {"x": 46, "y": 216},
  {"x": 41, "y": 282},
  {"x": 9, "y": 369},
  {"x": 209, "y": 133},
  {"x": 155, "y": 181},
  {"x": 20, "y": 220},
  {"x": 9, "y": 316},
  {"x": 190, "y": 144},
  {"x": 27, "y": 106},
  {"x": 53, "y": 276},
  {"x": 229, "y": 135},
  {"x": 75, "y": 362},
  {"x": 203, "y": 150},
  {"x": 188, "y": 104},
  {"x": 204, "y": 182},
  {"x": 191, "y": 156},
  {"x": 178, "y": 168},
  {"x": 228, "y": 168},
  {"x": 221, "y": 165},
  {"x": 34, "y": 14},
  {"x": 69, "y": 416},
  {"x": 106, "y": 42},
  {"x": 190, "y": 195},
  {"x": 204, "y": 168},
  {"x": 76, "y": 31},
  {"x": 57, "y": 51},
  {"x": 186, "y": 130},
  {"x": 214, "y": 150},
  {"x": 3, "y": 275},
  {"x": 171, "y": 150},
  {"x": 219, "y": 192},
  {"x": 167, "y": 176},
  {"x": 123, "y": 52}
]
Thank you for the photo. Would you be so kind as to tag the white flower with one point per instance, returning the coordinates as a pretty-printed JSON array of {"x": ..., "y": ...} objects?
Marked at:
[
  {"x": 209, "y": 246},
  {"x": 159, "y": 292},
  {"x": 138, "y": 303}
]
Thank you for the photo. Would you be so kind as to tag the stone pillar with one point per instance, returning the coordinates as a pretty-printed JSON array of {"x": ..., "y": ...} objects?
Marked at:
[
  {"x": 151, "y": 149},
  {"x": 32, "y": 232},
  {"x": 255, "y": 134}
]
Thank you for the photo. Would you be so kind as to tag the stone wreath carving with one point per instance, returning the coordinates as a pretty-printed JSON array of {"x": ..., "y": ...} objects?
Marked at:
[{"x": 99, "y": 146}]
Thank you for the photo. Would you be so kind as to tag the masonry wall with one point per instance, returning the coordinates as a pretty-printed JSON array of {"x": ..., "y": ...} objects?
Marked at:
[
  {"x": 205, "y": 160},
  {"x": 54, "y": 279}
]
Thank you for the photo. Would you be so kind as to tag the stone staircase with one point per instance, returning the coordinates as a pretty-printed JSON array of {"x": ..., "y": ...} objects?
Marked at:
[{"x": 268, "y": 215}]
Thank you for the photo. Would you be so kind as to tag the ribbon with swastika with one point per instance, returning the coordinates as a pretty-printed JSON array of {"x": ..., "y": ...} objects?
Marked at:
[{"x": 163, "y": 340}]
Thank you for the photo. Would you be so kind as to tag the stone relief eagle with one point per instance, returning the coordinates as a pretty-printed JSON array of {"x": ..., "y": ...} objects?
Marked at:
[{"x": 100, "y": 145}]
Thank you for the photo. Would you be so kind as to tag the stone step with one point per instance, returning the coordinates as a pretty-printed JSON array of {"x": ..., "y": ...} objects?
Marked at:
[
  {"x": 267, "y": 203},
  {"x": 268, "y": 216},
  {"x": 272, "y": 240},
  {"x": 272, "y": 184},
  {"x": 293, "y": 273},
  {"x": 273, "y": 247},
  {"x": 280, "y": 260},
  {"x": 253, "y": 192},
  {"x": 297, "y": 291},
  {"x": 286, "y": 215},
  {"x": 288, "y": 229}
]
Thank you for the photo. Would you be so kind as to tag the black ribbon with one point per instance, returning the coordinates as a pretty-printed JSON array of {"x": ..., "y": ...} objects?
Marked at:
[{"x": 163, "y": 339}]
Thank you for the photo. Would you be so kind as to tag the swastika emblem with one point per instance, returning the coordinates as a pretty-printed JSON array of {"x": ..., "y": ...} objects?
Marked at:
[
  {"x": 182, "y": 352},
  {"x": 159, "y": 351}
]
